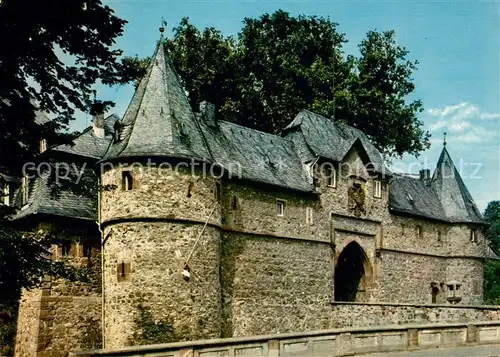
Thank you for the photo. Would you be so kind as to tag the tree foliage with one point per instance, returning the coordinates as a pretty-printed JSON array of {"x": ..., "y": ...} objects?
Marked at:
[
  {"x": 279, "y": 65},
  {"x": 492, "y": 267},
  {"x": 53, "y": 53}
]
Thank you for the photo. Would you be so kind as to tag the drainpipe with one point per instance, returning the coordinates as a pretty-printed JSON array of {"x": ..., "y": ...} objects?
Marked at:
[{"x": 102, "y": 260}]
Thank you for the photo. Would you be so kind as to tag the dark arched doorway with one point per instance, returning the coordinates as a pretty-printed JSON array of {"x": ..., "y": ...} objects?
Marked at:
[{"x": 350, "y": 273}]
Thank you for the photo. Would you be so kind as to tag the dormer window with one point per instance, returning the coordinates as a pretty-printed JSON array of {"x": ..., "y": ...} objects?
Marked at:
[
  {"x": 127, "y": 180},
  {"x": 5, "y": 194},
  {"x": 43, "y": 145},
  {"x": 377, "y": 189},
  {"x": 473, "y": 235}
]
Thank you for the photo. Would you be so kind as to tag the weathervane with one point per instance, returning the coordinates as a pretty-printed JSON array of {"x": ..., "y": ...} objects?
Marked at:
[{"x": 162, "y": 26}]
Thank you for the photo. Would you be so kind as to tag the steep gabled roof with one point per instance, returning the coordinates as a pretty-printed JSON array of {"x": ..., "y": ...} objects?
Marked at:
[
  {"x": 87, "y": 144},
  {"x": 333, "y": 140},
  {"x": 159, "y": 120},
  {"x": 457, "y": 202}
]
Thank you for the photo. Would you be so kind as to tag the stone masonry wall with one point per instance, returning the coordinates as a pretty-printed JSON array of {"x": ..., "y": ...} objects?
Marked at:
[
  {"x": 28, "y": 322},
  {"x": 372, "y": 314},
  {"x": 273, "y": 285},
  {"x": 156, "y": 253}
]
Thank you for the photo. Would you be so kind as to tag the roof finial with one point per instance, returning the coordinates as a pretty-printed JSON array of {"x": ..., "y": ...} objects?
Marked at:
[
  {"x": 444, "y": 139},
  {"x": 162, "y": 27}
]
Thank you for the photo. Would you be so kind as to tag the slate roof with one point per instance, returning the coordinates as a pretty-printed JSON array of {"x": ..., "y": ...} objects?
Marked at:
[
  {"x": 333, "y": 140},
  {"x": 412, "y": 196},
  {"x": 66, "y": 205},
  {"x": 445, "y": 197},
  {"x": 88, "y": 145},
  {"x": 159, "y": 120},
  {"x": 256, "y": 156},
  {"x": 454, "y": 195}
]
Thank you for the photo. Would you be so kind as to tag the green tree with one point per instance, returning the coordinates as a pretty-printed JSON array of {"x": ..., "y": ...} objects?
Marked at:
[
  {"x": 492, "y": 216},
  {"x": 279, "y": 64},
  {"x": 492, "y": 267},
  {"x": 53, "y": 53}
]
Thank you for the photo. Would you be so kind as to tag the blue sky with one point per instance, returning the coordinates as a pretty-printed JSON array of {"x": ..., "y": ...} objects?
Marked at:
[{"x": 456, "y": 42}]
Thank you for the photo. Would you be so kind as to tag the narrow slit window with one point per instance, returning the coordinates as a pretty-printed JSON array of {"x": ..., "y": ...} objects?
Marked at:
[
  {"x": 123, "y": 271},
  {"x": 420, "y": 232},
  {"x": 280, "y": 208},
  {"x": 473, "y": 236},
  {"x": 309, "y": 215},
  {"x": 377, "y": 189},
  {"x": 217, "y": 192},
  {"x": 127, "y": 180},
  {"x": 25, "y": 190},
  {"x": 5, "y": 194},
  {"x": 234, "y": 203}
]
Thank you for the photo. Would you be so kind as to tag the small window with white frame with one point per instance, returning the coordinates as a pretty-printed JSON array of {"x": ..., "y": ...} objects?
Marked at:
[
  {"x": 473, "y": 235},
  {"x": 377, "y": 189},
  {"x": 5, "y": 194},
  {"x": 309, "y": 215},
  {"x": 280, "y": 208},
  {"x": 331, "y": 176},
  {"x": 43, "y": 145}
]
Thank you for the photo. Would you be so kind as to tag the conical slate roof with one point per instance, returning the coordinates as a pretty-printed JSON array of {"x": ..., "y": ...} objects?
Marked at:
[
  {"x": 159, "y": 121},
  {"x": 455, "y": 198}
]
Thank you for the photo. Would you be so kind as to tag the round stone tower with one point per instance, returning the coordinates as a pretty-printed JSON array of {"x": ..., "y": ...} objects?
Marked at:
[{"x": 160, "y": 217}]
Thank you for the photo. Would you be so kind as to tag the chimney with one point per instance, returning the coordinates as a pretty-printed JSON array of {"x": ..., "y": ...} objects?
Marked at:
[
  {"x": 207, "y": 111},
  {"x": 97, "y": 112},
  {"x": 425, "y": 176}
]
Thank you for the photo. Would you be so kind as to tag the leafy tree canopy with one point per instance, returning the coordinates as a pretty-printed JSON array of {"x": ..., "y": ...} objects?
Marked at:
[
  {"x": 492, "y": 216},
  {"x": 279, "y": 65},
  {"x": 53, "y": 53}
]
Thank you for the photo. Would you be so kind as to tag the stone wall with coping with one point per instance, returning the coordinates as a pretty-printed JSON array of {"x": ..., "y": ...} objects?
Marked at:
[
  {"x": 272, "y": 285},
  {"x": 334, "y": 342}
]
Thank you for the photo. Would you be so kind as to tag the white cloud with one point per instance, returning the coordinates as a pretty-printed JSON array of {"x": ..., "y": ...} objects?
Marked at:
[
  {"x": 464, "y": 122},
  {"x": 486, "y": 115},
  {"x": 438, "y": 125},
  {"x": 459, "y": 126}
]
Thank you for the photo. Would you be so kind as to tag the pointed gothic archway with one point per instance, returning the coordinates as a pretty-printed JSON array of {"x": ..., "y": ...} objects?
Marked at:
[{"x": 352, "y": 274}]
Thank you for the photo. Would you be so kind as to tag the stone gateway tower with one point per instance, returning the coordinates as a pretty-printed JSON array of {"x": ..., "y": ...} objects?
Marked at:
[{"x": 160, "y": 217}]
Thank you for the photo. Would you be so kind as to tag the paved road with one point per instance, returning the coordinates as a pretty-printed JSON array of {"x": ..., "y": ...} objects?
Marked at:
[{"x": 476, "y": 351}]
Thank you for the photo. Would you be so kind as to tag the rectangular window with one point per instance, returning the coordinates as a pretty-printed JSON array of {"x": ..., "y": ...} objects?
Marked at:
[
  {"x": 377, "y": 189},
  {"x": 420, "y": 232},
  {"x": 5, "y": 194},
  {"x": 309, "y": 215},
  {"x": 127, "y": 180},
  {"x": 43, "y": 145},
  {"x": 331, "y": 177},
  {"x": 123, "y": 271},
  {"x": 66, "y": 248},
  {"x": 473, "y": 236},
  {"x": 280, "y": 208},
  {"x": 25, "y": 190},
  {"x": 217, "y": 192}
]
